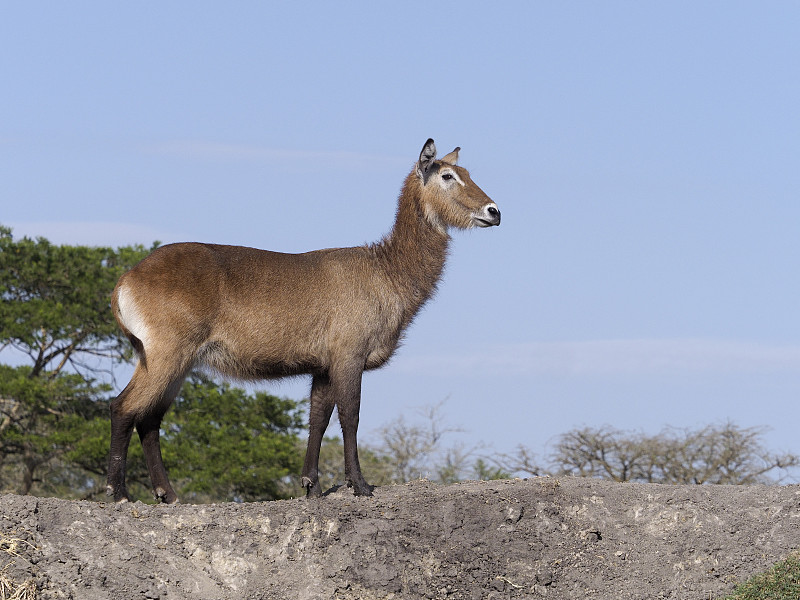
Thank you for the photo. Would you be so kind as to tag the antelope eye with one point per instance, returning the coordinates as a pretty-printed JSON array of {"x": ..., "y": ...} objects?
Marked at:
[{"x": 447, "y": 176}]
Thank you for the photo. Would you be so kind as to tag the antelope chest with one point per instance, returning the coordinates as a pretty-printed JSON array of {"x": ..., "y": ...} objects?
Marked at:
[{"x": 383, "y": 342}]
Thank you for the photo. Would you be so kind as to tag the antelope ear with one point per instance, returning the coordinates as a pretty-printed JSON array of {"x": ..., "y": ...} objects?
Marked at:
[
  {"x": 426, "y": 158},
  {"x": 451, "y": 158}
]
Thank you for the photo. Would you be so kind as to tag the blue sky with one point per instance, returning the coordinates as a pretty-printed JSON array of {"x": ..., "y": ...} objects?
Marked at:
[{"x": 644, "y": 156}]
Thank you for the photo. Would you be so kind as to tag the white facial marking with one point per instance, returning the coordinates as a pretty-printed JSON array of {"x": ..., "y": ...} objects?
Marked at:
[
  {"x": 453, "y": 174},
  {"x": 131, "y": 317},
  {"x": 483, "y": 218}
]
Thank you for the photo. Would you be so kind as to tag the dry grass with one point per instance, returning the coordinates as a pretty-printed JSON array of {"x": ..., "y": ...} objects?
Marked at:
[{"x": 10, "y": 589}]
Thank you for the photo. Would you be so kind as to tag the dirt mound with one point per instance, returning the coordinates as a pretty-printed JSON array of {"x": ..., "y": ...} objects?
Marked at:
[{"x": 551, "y": 538}]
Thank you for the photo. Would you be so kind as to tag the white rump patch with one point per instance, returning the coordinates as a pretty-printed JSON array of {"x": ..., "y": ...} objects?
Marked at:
[{"x": 131, "y": 316}]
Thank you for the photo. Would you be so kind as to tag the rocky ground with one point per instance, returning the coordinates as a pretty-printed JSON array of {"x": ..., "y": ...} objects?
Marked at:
[{"x": 550, "y": 538}]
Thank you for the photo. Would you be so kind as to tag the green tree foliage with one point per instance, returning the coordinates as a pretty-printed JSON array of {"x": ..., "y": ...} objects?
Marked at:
[
  {"x": 55, "y": 314},
  {"x": 43, "y": 419},
  {"x": 219, "y": 443},
  {"x": 55, "y": 302},
  {"x": 222, "y": 443}
]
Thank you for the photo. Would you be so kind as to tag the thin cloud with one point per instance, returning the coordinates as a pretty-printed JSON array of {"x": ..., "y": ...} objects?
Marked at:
[
  {"x": 220, "y": 151},
  {"x": 615, "y": 357}
]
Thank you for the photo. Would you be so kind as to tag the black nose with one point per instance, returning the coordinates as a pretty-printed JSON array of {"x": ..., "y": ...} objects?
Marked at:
[{"x": 494, "y": 214}]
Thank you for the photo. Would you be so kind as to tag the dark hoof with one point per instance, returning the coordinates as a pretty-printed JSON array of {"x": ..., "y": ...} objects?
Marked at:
[
  {"x": 313, "y": 488},
  {"x": 362, "y": 488},
  {"x": 119, "y": 496},
  {"x": 165, "y": 496}
]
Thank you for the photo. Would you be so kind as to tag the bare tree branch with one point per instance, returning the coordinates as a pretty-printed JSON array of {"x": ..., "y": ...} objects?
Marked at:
[{"x": 714, "y": 454}]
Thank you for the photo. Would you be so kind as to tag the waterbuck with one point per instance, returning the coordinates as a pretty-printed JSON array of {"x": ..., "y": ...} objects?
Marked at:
[{"x": 254, "y": 314}]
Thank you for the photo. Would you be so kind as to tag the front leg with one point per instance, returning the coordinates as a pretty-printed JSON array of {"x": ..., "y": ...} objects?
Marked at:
[
  {"x": 322, "y": 403},
  {"x": 348, "y": 401}
]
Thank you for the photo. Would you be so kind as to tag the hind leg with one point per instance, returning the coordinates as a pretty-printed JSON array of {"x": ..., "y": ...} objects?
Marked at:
[
  {"x": 121, "y": 430},
  {"x": 143, "y": 404},
  {"x": 148, "y": 429},
  {"x": 148, "y": 426}
]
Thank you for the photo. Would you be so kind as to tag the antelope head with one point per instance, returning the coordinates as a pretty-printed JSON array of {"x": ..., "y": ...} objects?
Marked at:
[{"x": 449, "y": 196}]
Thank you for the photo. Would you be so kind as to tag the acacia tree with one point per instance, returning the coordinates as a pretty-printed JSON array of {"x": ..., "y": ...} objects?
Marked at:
[
  {"x": 55, "y": 307},
  {"x": 722, "y": 454},
  {"x": 55, "y": 318},
  {"x": 222, "y": 443},
  {"x": 42, "y": 418}
]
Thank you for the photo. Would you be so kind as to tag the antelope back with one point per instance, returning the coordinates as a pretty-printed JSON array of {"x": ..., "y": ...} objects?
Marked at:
[{"x": 449, "y": 196}]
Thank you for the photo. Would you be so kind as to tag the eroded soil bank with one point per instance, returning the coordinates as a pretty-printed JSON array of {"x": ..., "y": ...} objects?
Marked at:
[{"x": 550, "y": 538}]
